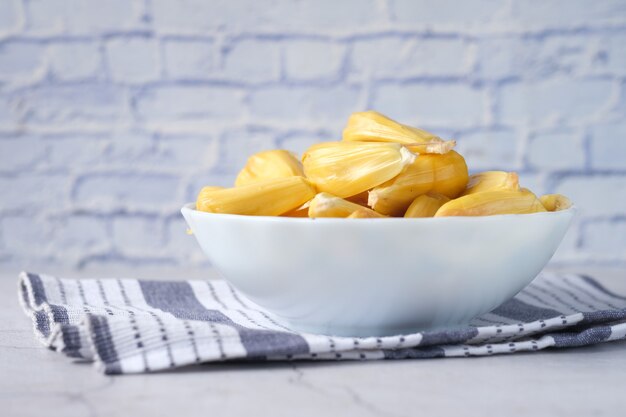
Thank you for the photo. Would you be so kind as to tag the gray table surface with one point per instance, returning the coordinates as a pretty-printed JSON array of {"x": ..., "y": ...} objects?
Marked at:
[{"x": 588, "y": 381}]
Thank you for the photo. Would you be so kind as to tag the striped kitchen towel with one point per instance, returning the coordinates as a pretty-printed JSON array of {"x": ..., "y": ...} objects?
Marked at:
[{"x": 129, "y": 325}]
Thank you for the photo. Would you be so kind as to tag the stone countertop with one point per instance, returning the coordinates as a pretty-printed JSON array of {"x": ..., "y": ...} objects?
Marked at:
[{"x": 570, "y": 382}]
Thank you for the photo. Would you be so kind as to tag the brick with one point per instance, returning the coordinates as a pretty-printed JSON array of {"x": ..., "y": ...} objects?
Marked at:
[
  {"x": 489, "y": 150},
  {"x": 20, "y": 60},
  {"x": 203, "y": 178},
  {"x": 252, "y": 61},
  {"x": 197, "y": 16},
  {"x": 601, "y": 195},
  {"x": 72, "y": 102},
  {"x": 118, "y": 189},
  {"x": 96, "y": 151},
  {"x": 200, "y": 16},
  {"x": 307, "y": 60},
  {"x": 70, "y": 61},
  {"x": 10, "y": 16},
  {"x": 189, "y": 102},
  {"x": 133, "y": 59},
  {"x": 6, "y": 111},
  {"x": 188, "y": 59},
  {"x": 81, "y": 232},
  {"x": 129, "y": 148},
  {"x": 534, "y": 181},
  {"x": 554, "y": 151},
  {"x": 563, "y": 55},
  {"x": 168, "y": 151},
  {"x": 501, "y": 58},
  {"x": 34, "y": 191},
  {"x": 81, "y": 16},
  {"x": 21, "y": 153},
  {"x": 447, "y": 12},
  {"x": 540, "y": 14},
  {"x": 606, "y": 238},
  {"x": 299, "y": 142},
  {"x": 556, "y": 100},
  {"x": 137, "y": 235},
  {"x": 329, "y": 15},
  {"x": 28, "y": 235},
  {"x": 232, "y": 158},
  {"x": 608, "y": 147},
  {"x": 315, "y": 105},
  {"x": 186, "y": 152},
  {"x": 394, "y": 57},
  {"x": 611, "y": 57},
  {"x": 447, "y": 104},
  {"x": 85, "y": 151}
]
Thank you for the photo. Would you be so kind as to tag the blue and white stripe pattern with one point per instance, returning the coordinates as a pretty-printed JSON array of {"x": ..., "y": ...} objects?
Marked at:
[{"x": 130, "y": 326}]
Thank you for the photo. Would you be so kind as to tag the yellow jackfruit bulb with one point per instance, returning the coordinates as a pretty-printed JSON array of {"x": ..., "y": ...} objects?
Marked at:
[
  {"x": 365, "y": 214},
  {"x": 271, "y": 197},
  {"x": 426, "y": 205},
  {"x": 451, "y": 175},
  {"x": 277, "y": 163},
  {"x": 491, "y": 181},
  {"x": 555, "y": 202},
  {"x": 393, "y": 197},
  {"x": 328, "y": 205},
  {"x": 432, "y": 147},
  {"x": 209, "y": 188},
  {"x": 346, "y": 169},
  {"x": 489, "y": 203},
  {"x": 204, "y": 193},
  {"x": 371, "y": 126},
  {"x": 444, "y": 174},
  {"x": 302, "y": 211}
]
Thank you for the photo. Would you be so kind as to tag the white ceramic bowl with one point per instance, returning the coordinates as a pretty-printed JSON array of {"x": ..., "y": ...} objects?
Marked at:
[{"x": 377, "y": 277}]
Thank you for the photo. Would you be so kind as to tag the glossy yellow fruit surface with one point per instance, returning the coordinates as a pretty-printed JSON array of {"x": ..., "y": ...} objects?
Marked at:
[
  {"x": 271, "y": 197},
  {"x": 492, "y": 181},
  {"x": 346, "y": 169},
  {"x": 380, "y": 168},
  {"x": 371, "y": 126},
  {"x": 277, "y": 163},
  {"x": 555, "y": 202},
  {"x": 444, "y": 174},
  {"x": 426, "y": 205},
  {"x": 328, "y": 205},
  {"x": 365, "y": 214},
  {"x": 394, "y": 196},
  {"x": 451, "y": 175},
  {"x": 490, "y": 203}
]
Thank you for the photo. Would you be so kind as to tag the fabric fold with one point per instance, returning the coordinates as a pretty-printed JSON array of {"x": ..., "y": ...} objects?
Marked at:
[{"x": 132, "y": 326}]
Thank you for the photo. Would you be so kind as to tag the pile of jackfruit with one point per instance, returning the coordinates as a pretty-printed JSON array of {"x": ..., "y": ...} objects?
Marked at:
[{"x": 380, "y": 168}]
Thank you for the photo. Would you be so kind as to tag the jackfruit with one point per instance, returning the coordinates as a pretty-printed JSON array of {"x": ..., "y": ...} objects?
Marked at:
[
  {"x": 555, "y": 202},
  {"x": 371, "y": 126},
  {"x": 328, "y": 205},
  {"x": 426, "y": 205},
  {"x": 346, "y": 169},
  {"x": 271, "y": 197},
  {"x": 444, "y": 174},
  {"x": 492, "y": 202},
  {"x": 277, "y": 163},
  {"x": 492, "y": 181}
]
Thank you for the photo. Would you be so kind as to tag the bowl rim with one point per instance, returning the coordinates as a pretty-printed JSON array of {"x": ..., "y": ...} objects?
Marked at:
[{"x": 190, "y": 208}]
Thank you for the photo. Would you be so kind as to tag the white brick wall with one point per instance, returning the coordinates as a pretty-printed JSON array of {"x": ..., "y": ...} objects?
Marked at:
[{"x": 112, "y": 114}]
